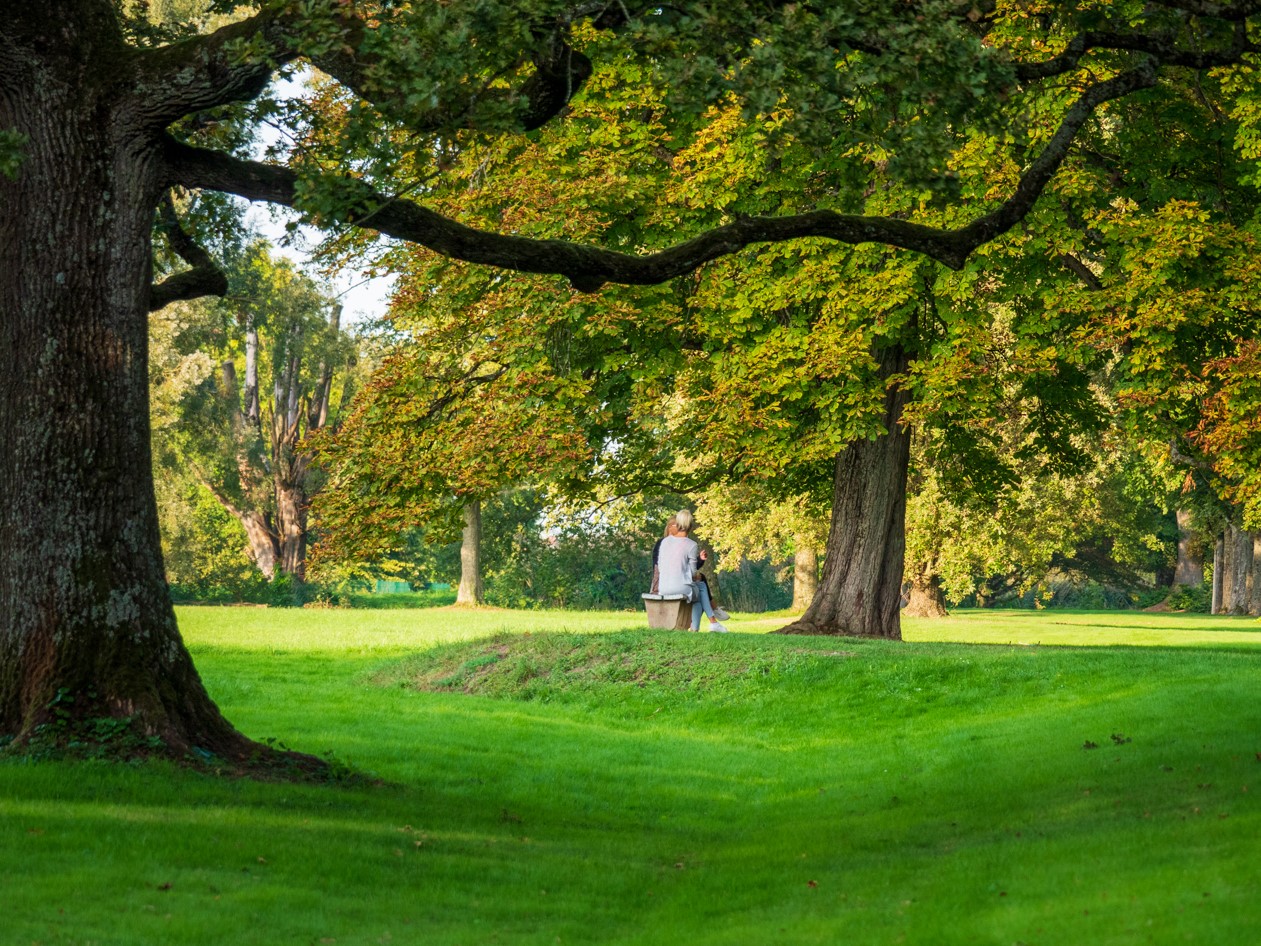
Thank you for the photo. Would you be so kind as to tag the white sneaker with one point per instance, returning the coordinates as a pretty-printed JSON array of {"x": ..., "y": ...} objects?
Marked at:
[
  {"x": 716, "y": 628},
  {"x": 721, "y": 614}
]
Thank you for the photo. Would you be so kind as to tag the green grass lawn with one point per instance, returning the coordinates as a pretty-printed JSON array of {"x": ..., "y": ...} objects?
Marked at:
[{"x": 571, "y": 778}]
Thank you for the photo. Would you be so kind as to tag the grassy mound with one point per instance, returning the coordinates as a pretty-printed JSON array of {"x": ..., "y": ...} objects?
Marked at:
[{"x": 550, "y": 666}]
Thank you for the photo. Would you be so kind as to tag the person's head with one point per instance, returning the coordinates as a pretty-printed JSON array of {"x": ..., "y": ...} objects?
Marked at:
[
  {"x": 683, "y": 521},
  {"x": 670, "y": 526}
]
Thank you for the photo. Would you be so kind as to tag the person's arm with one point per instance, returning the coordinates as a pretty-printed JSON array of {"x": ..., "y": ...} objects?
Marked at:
[{"x": 693, "y": 560}]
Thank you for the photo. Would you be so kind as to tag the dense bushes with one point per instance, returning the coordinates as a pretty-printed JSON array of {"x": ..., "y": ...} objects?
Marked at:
[{"x": 1196, "y": 598}]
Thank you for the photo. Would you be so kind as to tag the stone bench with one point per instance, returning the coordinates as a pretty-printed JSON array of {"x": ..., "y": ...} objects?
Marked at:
[{"x": 671, "y": 612}]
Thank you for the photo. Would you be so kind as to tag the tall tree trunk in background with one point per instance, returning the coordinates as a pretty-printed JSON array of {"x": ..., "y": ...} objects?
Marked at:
[
  {"x": 471, "y": 556},
  {"x": 253, "y": 407},
  {"x": 86, "y": 629},
  {"x": 291, "y": 461},
  {"x": 805, "y": 574},
  {"x": 249, "y": 510},
  {"x": 860, "y": 590},
  {"x": 927, "y": 599},
  {"x": 1239, "y": 564},
  {"x": 291, "y": 517},
  {"x": 1190, "y": 570},
  {"x": 1254, "y": 580},
  {"x": 1219, "y": 574}
]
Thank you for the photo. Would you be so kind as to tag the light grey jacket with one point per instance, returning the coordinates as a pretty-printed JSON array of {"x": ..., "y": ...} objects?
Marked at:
[{"x": 677, "y": 562}]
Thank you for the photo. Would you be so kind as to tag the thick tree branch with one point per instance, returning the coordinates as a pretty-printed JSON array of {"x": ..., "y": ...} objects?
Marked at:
[
  {"x": 1181, "y": 459},
  {"x": 1043, "y": 168},
  {"x": 589, "y": 267},
  {"x": 204, "y": 279},
  {"x": 1083, "y": 272},
  {"x": 232, "y": 64},
  {"x": 1163, "y": 48},
  {"x": 559, "y": 72}
]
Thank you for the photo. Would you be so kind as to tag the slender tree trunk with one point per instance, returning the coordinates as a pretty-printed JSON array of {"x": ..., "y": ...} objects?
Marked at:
[
  {"x": 253, "y": 409},
  {"x": 860, "y": 592},
  {"x": 805, "y": 574},
  {"x": 1254, "y": 581},
  {"x": 1219, "y": 574},
  {"x": 1190, "y": 570},
  {"x": 86, "y": 629},
  {"x": 927, "y": 599},
  {"x": 1239, "y": 567},
  {"x": 324, "y": 386},
  {"x": 471, "y": 556}
]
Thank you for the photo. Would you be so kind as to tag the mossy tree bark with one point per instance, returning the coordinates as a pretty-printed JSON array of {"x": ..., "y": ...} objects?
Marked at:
[{"x": 87, "y": 629}]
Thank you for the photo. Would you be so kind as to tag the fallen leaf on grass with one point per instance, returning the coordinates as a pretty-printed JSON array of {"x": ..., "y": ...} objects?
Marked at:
[
  {"x": 1090, "y": 745},
  {"x": 812, "y": 883}
]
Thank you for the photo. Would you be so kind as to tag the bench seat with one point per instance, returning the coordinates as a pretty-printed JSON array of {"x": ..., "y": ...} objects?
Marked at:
[{"x": 669, "y": 612}]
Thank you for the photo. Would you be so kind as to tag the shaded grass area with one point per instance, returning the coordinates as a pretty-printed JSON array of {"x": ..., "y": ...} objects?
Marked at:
[
  {"x": 599, "y": 784},
  {"x": 402, "y": 600}
]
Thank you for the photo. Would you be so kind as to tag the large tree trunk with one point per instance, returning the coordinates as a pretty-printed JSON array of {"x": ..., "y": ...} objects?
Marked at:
[
  {"x": 1190, "y": 570},
  {"x": 927, "y": 599},
  {"x": 860, "y": 592},
  {"x": 805, "y": 574},
  {"x": 1238, "y": 565},
  {"x": 471, "y": 556},
  {"x": 86, "y": 629}
]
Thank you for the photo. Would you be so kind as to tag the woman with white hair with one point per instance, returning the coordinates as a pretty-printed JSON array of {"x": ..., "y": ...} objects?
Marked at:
[{"x": 678, "y": 561}]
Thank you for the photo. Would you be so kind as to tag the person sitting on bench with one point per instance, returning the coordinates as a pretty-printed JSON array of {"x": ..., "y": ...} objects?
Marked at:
[{"x": 678, "y": 562}]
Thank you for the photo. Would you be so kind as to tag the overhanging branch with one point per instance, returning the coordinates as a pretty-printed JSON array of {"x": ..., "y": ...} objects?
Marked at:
[
  {"x": 204, "y": 279},
  {"x": 589, "y": 267}
]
